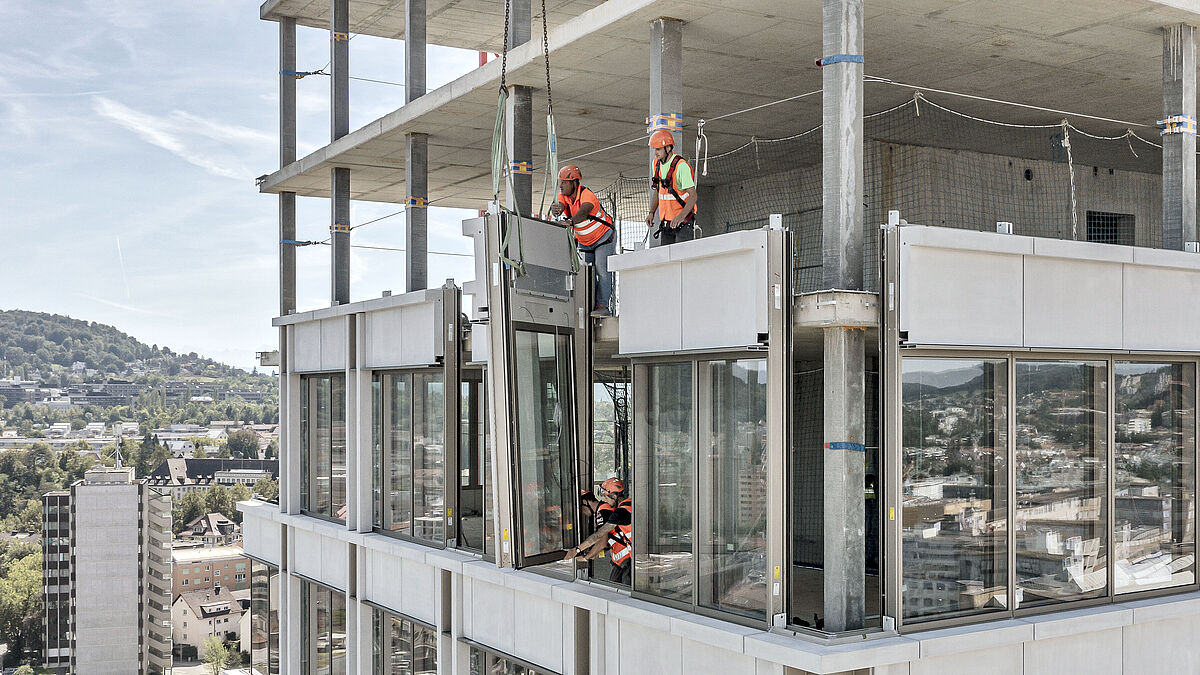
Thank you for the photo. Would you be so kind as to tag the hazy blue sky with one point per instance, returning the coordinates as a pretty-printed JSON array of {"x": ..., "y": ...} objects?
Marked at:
[{"x": 130, "y": 135}]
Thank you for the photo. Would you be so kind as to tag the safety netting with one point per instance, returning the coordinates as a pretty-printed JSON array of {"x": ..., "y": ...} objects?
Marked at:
[{"x": 1095, "y": 180}]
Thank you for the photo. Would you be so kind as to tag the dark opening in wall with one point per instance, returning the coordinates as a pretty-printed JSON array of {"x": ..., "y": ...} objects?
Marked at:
[{"x": 1110, "y": 228}]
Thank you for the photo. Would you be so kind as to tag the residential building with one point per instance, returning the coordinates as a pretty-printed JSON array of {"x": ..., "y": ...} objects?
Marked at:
[
  {"x": 201, "y": 568},
  {"x": 212, "y": 529},
  {"x": 107, "y": 575},
  {"x": 180, "y": 475},
  {"x": 872, "y": 418},
  {"x": 216, "y": 611}
]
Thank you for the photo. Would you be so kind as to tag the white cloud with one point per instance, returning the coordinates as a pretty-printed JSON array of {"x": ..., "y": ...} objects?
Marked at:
[{"x": 213, "y": 146}]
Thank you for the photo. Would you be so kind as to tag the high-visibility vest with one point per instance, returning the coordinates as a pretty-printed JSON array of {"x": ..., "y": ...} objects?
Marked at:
[
  {"x": 598, "y": 222},
  {"x": 620, "y": 538},
  {"x": 670, "y": 200}
]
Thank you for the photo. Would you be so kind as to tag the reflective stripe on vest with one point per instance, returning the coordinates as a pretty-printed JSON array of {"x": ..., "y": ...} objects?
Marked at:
[
  {"x": 595, "y": 227},
  {"x": 620, "y": 538}
]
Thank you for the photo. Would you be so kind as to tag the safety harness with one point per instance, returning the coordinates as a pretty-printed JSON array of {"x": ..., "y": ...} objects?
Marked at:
[{"x": 669, "y": 183}]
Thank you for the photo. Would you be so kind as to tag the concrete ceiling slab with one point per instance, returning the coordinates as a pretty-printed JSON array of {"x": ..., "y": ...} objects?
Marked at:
[{"x": 1095, "y": 57}]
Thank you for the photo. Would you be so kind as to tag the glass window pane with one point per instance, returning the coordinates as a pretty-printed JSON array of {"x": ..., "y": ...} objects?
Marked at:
[
  {"x": 399, "y": 453},
  {"x": 472, "y": 452},
  {"x": 322, "y": 436},
  {"x": 543, "y": 377},
  {"x": 429, "y": 441},
  {"x": 338, "y": 447},
  {"x": 733, "y": 479},
  {"x": 377, "y": 433},
  {"x": 663, "y": 555},
  {"x": 955, "y": 493},
  {"x": 1155, "y": 493},
  {"x": 323, "y": 445},
  {"x": 337, "y": 636},
  {"x": 424, "y": 650},
  {"x": 1061, "y": 456}
]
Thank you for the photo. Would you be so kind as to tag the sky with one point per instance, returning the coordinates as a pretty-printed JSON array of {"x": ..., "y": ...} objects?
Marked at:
[{"x": 131, "y": 133}]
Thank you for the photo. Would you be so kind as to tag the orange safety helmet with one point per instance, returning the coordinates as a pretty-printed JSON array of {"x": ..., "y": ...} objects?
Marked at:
[
  {"x": 661, "y": 139},
  {"x": 613, "y": 485},
  {"x": 570, "y": 172}
]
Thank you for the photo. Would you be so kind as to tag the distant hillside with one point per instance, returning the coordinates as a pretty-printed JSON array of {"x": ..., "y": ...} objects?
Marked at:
[{"x": 50, "y": 347}]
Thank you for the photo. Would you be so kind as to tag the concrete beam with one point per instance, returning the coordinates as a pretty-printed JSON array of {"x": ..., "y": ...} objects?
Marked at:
[
  {"x": 845, "y": 479},
  {"x": 666, "y": 78},
  {"x": 287, "y": 155},
  {"x": 842, "y": 145},
  {"x": 1179, "y": 149}
]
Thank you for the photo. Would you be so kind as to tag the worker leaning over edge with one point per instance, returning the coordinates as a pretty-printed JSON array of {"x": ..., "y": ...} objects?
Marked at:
[
  {"x": 615, "y": 534},
  {"x": 592, "y": 229},
  {"x": 673, "y": 193}
]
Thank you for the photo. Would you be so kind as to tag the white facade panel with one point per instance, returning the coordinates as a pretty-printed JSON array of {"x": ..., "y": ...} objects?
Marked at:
[
  {"x": 1084, "y": 309},
  {"x": 419, "y": 345},
  {"x": 402, "y": 336},
  {"x": 704, "y": 659},
  {"x": 1007, "y": 660},
  {"x": 651, "y": 292},
  {"x": 385, "y": 335},
  {"x": 492, "y": 609},
  {"x": 723, "y": 300},
  {"x": 987, "y": 287},
  {"x": 333, "y": 343},
  {"x": 320, "y": 558},
  {"x": 645, "y": 650},
  {"x": 1157, "y": 647},
  {"x": 1093, "y": 653},
  {"x": 306, "y": 347},
  {"x": 1161, "y": 306},
  {"x": 538, "y": 630},
  {"x": 419, "y": 590}
]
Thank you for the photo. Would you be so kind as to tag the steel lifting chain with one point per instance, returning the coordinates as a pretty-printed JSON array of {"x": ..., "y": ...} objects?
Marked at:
[
  {"x": 504, "y": 52},
  {"x": 546, "y": 54}
]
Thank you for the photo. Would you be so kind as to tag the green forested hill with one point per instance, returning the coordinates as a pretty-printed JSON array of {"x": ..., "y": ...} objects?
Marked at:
[{"x": 48, "y": 344}]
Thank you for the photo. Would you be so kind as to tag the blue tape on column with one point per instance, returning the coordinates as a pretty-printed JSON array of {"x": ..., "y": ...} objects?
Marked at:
[
  {"x": 841, "y": 58},
  {"x": 843, "y": 445}
]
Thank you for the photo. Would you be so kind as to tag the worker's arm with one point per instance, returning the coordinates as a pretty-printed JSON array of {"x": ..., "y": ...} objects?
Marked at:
[
  {"x": 585, "y": 210},
  {"x": 653, "y": 207},
  {"x": 599, "y": 536},
  {"x": 688, "y": 205}
]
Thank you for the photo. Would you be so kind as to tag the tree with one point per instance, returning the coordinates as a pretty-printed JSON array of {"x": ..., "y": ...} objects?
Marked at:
[
  {"x": 216, "y": 655},
  {"x": 237, "y": 493},
  {"x": 21, "y": 598},
  {"x": 218, "y": 500},
  {"x": 24, "y": 670},
  {"x": 187, "y": 509},
  {"x": 266, "y": 488},
  {"x": 243, "y": 444},
  {"x": 200, "y": 452}
]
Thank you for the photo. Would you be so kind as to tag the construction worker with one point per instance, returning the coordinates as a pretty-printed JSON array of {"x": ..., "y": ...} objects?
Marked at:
[
  {"x": 592, "y": 228},
  {"x": 615, "y": 534},
  {"x": 673, "y": 192}
]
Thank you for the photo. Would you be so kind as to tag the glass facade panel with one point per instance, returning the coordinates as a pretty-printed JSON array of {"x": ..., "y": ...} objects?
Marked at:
[
  {"x": 264, "y": 619},
  {"x": 410, "y": 477},
  {"x": 733, "y": 485},
  {"x": 1061, "y": 457},
  {"x": 954, "y": 500},
  {"x": 542, "y": 377},
  {"x": 323, "y": 445},
  {"x": 487, "y": 662},
  {"x": 1154, "y": 481},
  {"x": 663, "y": 555},
  {"x": 322, "y": 630},
  {"x": 403, "y": 646},
  {"x": 475, "y": 529}
]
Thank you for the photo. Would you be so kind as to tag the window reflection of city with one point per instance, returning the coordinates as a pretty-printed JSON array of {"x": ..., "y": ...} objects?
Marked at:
[
  {"x": 412, "y": 470},
  {"x": 955, "y": 528}
]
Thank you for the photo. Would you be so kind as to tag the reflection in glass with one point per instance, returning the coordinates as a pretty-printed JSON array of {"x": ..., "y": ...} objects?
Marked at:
[
  {"x": 1154, "y": 489},
  {"x": 542, "y": 376},
  {"x": 663, "y": 554},
  {"x": 323, "y": 445},
  {"x": 1060, "y": 461},
  {"x": 412, "y": 475},
  {"x": 955, "y": 493},
  {"x": 475, "y": 482},
  {"x": 733, "y": 479},
  {"x": 403, "y": 646},
  {"x": 322, "y": 630},
  {"x": 491, "y": 663},
  {"x": 264, "y": 619}
]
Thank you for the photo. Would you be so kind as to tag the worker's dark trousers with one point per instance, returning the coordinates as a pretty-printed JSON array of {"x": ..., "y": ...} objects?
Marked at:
[
  {"x": 684, "y": 233},
  {"x": 622, "y": 574}
]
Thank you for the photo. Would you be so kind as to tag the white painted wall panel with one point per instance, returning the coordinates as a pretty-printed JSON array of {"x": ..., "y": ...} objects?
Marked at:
[
  {"x": 496, "y": 604},
  {"x": 722, "y": 297},
  {"x": 538, "y": 631},
  {"x": 1072, "y": 303},
  {"x": 1161, "y": 308},
  {"x": 306, "y": 347},
  {"x": 645, "y": 650},
  {"x": 384, "y": 337},
  {"x": 1007, "y": 660},
  {"x": 704, "y": 659},
  {"x": 260, "y": 538},
  {"x": 1160, "y": 646},
  {"x": 419, "y": 343},
  {"x": 651, "y": 312},
  {"x": 333, "y": 343},
  {"x": 320, "y": 558},
  {"x": 952, "y": 296},
  {"x": 1094, "y": 653},
  {"x": 418, "y": 597}
]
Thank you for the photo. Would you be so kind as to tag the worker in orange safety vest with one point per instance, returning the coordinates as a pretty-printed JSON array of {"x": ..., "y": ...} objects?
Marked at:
[
  {"x": 615, "y": 535},
  {"x": 673, "y": 195},
  {"x": 592, "y": 228}
]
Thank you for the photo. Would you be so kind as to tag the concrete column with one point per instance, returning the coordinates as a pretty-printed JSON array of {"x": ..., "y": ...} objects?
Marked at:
[
  {"x": 287, "y": 155},
  {"x": 519, "y": 118},
  {"x": 842, "y": 263},
  {"x": 339, "y": 125},
  {"x": 1179, "y": 149},
  {"x": 416, "y": 154},
  {"x": 666, "y": 78},
  {"x": 844, "y": 474}
]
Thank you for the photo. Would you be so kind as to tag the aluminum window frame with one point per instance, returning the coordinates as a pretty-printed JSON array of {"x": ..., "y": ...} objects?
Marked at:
[{"x": 307, "y": 433}]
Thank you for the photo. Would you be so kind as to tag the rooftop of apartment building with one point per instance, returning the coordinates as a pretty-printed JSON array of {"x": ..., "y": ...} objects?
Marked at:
[
  {"x": 187, "y": 556},
  {"x": 178, "y": 471}
]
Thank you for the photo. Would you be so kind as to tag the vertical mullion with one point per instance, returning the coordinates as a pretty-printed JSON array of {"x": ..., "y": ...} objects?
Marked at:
[
  {"x": 1110, "y": 476},
  {"x": 411, "y": 382},
  {"x": 1011, "y": 449},
  {"x": 697, "y": 392}
]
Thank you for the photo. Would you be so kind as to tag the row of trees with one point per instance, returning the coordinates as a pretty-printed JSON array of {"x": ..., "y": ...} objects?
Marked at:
[
  {"x": 219, "y": 499},
  {"x": 150, "y": 413},
  {"x": 20, "y": 598}
]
